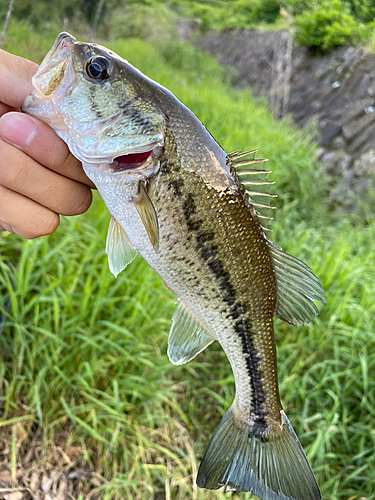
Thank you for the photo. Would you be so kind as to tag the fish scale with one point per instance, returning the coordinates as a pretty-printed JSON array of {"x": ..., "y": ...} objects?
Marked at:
[
  {"x": 221, "y": 262},
  {"x": 191, "y": 211}
]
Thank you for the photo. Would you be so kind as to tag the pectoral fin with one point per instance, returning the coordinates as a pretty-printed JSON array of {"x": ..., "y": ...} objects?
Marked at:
[
  {"x": 297, "y": 288},
  {"x": 147, "y": 213},
  {"x": 186, "y": 338},
  {"x": 118, "y": 247}
]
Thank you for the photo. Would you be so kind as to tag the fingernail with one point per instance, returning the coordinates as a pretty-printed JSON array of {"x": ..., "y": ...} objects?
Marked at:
[{"x": 17, "y": 129}]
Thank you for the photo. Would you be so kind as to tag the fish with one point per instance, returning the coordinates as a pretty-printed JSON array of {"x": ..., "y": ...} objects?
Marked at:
[{"x": 197, "y": 215}]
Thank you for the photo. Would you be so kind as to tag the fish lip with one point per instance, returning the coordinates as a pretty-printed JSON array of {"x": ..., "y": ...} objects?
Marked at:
[
  {"x": 27, "y": 103},
  {"x": 60, "y": 47},
  {"x": 57, "y": 56}
]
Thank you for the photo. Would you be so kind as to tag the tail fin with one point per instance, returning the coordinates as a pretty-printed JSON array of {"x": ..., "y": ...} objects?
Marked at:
[{"x": 272, "y": 469}]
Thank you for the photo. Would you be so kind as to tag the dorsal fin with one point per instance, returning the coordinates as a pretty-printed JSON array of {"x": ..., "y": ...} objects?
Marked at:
[
  {"x": 297, "y": 287},
  {"x": 255, "y": 182}
]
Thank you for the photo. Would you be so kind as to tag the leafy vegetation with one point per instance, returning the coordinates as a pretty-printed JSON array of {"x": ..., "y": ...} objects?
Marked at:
[
  {"x": 232, "y": 14},
  {"x": 362, "y": 10},
  {"x": 43, "y": 12},
  {"x": 83, "y": 355},
  {"x": 318, "y": 24},
  {"x": 329, "y": 24}
]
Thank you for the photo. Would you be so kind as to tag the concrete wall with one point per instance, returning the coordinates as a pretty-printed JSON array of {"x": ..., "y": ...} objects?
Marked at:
[{"x": 336, "y": 93}]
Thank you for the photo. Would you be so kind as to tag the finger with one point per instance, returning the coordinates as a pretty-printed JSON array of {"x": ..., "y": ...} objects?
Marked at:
[
  {"x": 22, "y": 174},
  {"x": 41, "y": 143},
  {"x": 4, "y": 108},
  {"x": 16, "y": 74},
  {"x": 30, "y": 220},
  {"x": 5, "y": 227}
]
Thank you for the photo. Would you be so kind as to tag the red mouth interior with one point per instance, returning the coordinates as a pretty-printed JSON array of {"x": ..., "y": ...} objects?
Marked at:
[{"x": 131, "y": 161}]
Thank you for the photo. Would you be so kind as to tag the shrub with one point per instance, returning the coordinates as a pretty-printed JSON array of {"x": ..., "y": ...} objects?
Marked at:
[
  {"x": 326, "y": 25},
  {"x": 247, "y": 13},
  {"x": 269, "y": 11},
  {"x": 363, "y": 10}
]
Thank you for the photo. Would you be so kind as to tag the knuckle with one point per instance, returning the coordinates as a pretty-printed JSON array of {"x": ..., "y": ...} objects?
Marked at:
[
  {"x": 86, "y": 203},
  {"x": 12, "y": 174},
  {"x": 51, "y": 224},
  {"x": 59, "y": 156},
  {"x": 80, "y": 202},
  {"x": 47, "y": 225}
]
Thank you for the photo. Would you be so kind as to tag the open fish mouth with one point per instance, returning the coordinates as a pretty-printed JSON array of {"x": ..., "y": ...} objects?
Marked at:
[
  {"x": 135, "y": 160},
  {"x": 130, "y": 161}
]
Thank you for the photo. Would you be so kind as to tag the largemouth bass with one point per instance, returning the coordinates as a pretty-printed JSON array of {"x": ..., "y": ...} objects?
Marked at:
[{"x": 193, "y": 212}]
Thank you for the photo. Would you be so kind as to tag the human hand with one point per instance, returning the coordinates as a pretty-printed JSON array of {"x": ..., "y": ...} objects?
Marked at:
[{"x": 39, "y": 177}]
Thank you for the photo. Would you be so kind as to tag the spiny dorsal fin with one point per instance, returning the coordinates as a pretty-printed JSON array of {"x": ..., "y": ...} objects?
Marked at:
[
  {"x": 237, "y": 154},
  {"x": 254, "y": 181}
]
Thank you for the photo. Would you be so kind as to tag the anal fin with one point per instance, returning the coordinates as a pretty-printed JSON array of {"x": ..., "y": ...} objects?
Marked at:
[{"x": 186, "y": 338}]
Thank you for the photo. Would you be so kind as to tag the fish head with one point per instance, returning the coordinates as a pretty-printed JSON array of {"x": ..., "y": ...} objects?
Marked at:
[{"x": 99, "y": 104}]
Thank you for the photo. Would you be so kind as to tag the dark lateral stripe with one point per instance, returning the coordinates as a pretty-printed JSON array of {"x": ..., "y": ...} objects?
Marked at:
[
  {"x": 253, "y": 364},
  {"x": 209, "y": 254}
]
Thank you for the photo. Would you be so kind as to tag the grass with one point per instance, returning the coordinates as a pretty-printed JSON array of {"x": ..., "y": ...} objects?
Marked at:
[{"x": 83, "y": 364}]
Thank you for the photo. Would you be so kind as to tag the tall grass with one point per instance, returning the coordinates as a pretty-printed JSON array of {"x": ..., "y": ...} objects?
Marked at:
[{"x": 83, "y": 355}]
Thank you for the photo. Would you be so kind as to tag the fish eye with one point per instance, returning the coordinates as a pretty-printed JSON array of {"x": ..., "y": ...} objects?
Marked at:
[{"x": 98, "y": 68}]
